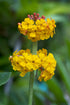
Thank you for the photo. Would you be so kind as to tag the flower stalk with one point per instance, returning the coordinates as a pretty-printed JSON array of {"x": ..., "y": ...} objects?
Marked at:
[{"x": 31, "y": 80}]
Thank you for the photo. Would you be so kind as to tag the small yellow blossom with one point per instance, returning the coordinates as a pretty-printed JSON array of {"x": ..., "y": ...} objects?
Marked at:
[{"x": 45, "y": 75}]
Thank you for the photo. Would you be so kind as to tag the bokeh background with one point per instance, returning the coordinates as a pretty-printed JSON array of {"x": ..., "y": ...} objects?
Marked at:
[{"x": 14, "y": 89}]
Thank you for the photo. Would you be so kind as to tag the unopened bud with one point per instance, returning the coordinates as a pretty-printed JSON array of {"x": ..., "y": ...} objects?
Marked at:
[
  {"x": 43, "y": 17},
  {"x": 37, "y": 14},
  {"x": 34, "y": 14},
  {"x": 31, "y": 15},
  {"x": 28, "y": 16},
  {"x": 35, "y": 18}
]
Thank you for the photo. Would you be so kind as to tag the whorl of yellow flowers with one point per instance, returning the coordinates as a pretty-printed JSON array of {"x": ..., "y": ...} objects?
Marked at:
[
  {"x": 37, "y": 28},
  {"x": 23, "y": 61}
]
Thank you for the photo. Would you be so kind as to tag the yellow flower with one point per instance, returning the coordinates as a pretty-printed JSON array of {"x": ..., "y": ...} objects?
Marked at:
[
  {"x": 48, "y": 64},
  {"x": 28, "y": 21},
  {"x": 37, "y": 28},
  {"x": 45, "y": 75},
  {"x": 23, "y": 61},
  {"x": 33, "y": 35}
]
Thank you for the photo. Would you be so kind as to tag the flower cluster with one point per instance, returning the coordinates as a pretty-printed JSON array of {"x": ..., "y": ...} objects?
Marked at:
[
  {"x": 23, "y": 61},
  {"x": 37, "y": 28},
  {"x": 48, "y": 64}
]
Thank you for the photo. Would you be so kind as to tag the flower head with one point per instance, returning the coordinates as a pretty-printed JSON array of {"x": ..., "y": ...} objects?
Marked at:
[
  {"x": 37, "y": 28},
  {"x": 23, "y": 61}
]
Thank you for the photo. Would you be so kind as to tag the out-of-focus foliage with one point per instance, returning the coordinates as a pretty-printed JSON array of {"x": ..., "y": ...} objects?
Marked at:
[
  {"x": 4, "y": 76},
  {"x": 53, "y": 92}
]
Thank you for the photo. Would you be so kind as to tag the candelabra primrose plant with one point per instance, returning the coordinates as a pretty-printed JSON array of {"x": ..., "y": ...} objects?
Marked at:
[{"x": 36, "y": 28}]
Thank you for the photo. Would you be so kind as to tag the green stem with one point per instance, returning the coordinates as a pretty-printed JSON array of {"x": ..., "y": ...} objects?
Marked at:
[{"x": 34, "y": 50}]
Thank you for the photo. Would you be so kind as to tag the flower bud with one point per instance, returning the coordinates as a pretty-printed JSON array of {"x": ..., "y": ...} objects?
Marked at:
[
  {"x": 37, "y": 14},
  {"x": 34, "y": 14}
]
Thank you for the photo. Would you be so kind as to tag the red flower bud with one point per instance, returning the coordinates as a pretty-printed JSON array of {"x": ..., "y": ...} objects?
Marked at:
[
  {"x": 28, "y": 16},
  {"x": 35, "y": 18},
  {"x": 31, "y": 15},
  {"x": 43, "y": 17},
  {"x": 37, "y": 14},
  {"x": 34, "y": 14}
]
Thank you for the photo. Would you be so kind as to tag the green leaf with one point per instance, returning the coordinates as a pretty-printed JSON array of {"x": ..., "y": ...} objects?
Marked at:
[
  {"x": 68, "y": 47},
  {"x": 68, "y": 66},
  {"x": 63, "y": 72},
  {"x": 55, "y": 88},
  {"x": 4, "y": 77}
]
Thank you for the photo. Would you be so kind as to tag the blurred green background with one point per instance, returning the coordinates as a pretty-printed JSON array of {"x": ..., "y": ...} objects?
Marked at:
[{"x": 14, "y": 89}]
